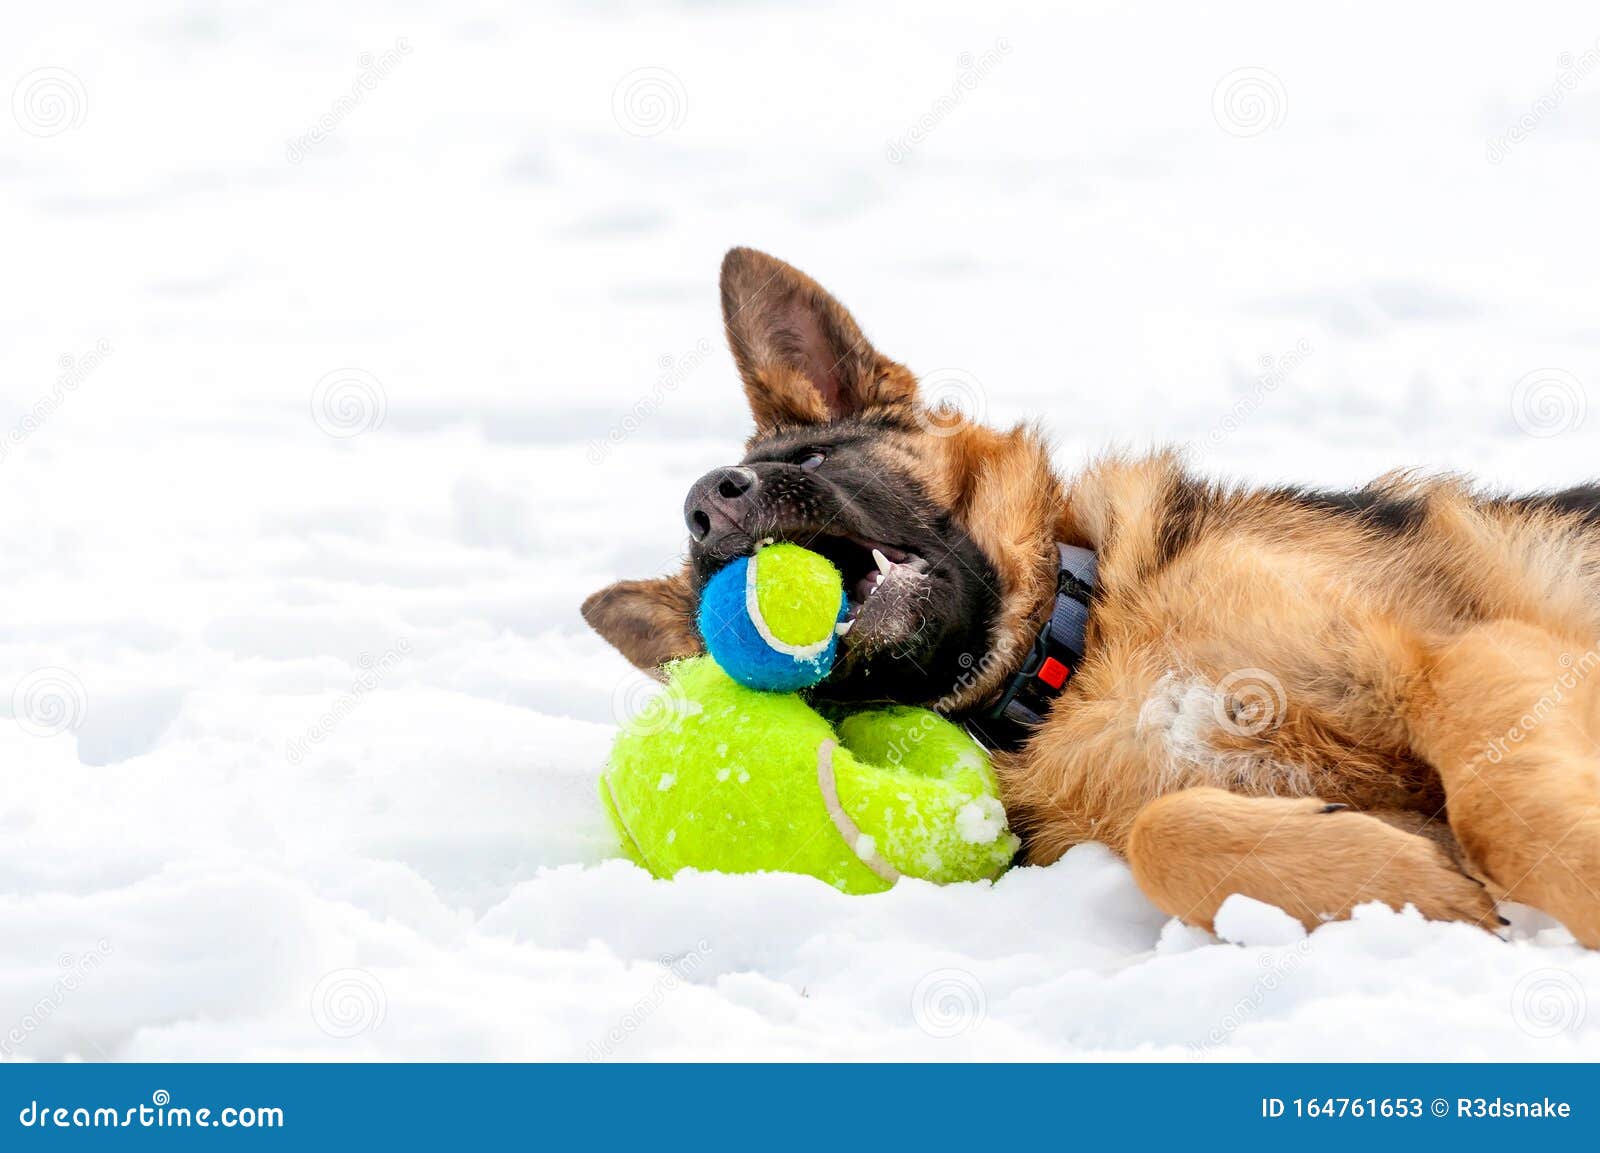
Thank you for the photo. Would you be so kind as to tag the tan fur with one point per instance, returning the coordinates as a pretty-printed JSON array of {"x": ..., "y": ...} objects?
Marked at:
[
  {"x": 1391, "y": 663},
  {"x": 1282, "y": 698},
  {"x": 1003, "y": 491},
  {"x": 800, "y": 353},
  {"x": 650, "y": 622},
  {"x": 1523, "y": 802},
  {"x": 1193, "y": 848}
]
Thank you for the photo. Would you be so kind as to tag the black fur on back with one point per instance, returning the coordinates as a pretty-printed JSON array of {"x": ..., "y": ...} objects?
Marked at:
[
  {"x": 1383, "y": 512},
  {"x": 1581, "y": 501}
]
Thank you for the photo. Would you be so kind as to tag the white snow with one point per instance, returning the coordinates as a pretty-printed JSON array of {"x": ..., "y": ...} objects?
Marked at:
[
  {"x": 1246, "y": 921},
  {"x": 319, "y": 417},
  {"x": 980, "y": 820}
]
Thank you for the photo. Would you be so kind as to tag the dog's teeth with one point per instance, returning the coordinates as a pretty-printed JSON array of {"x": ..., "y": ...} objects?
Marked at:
[
  {"x": 885, "y": 565},
  {"x": 843, "y": 626}
]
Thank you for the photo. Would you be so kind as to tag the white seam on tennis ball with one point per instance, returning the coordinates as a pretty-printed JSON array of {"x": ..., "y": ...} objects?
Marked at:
[
  {"x": 752, "y": 606},
  {"x": 841, "y": 819},
  {"x": 616, "y": 809}
]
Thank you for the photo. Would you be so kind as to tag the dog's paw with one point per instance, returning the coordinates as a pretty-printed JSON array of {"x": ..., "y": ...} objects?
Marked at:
[{"x": 1412, "y": 870}]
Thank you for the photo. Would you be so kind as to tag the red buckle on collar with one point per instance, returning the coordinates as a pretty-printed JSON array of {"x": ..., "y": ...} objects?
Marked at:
[{"x": 1053, "y": 672}]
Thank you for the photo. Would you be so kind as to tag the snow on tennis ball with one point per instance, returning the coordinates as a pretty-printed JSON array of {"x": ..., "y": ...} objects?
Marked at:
[
  {"x": 724, "y": 778},
  {"x": 769, "y": 619}
]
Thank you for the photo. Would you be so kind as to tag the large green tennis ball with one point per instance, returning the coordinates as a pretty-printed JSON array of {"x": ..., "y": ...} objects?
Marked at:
[
  {"x": 768, "y": 619},
  {"x": 721, "y": 777}
]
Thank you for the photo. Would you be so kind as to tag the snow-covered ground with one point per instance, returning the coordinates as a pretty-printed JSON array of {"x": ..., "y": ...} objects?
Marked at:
[{"x": 343, "y": 354}]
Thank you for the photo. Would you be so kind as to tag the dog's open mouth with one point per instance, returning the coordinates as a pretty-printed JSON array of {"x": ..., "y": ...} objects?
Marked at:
[{"x": 885, "y": 584}]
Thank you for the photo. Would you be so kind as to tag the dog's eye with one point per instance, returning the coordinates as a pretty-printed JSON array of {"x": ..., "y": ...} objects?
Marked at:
[{"x": 813, "y": 462}]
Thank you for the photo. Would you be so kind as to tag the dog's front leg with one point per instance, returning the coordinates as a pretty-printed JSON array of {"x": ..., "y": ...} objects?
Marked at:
[{"x": 1191, "y": 849}]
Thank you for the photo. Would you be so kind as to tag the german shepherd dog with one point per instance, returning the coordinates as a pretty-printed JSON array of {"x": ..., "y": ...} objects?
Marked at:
[{"x": 1316, "y": 699}]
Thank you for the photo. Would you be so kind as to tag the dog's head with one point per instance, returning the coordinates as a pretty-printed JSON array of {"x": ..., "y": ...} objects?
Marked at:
[{"x": 942, "y": 528}]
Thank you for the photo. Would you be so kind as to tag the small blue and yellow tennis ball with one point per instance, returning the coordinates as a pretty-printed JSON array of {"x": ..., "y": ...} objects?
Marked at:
[{"x": 769, "y": 619}]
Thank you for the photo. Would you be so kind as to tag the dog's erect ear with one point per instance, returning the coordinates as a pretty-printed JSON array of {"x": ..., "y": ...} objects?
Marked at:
[
  {"x": 650, "y": 622},
  {"x": 800, "y": 352}
]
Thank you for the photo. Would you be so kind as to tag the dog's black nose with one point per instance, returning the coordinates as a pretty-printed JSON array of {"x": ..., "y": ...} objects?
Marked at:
[{"x": 719, "y": 501}]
